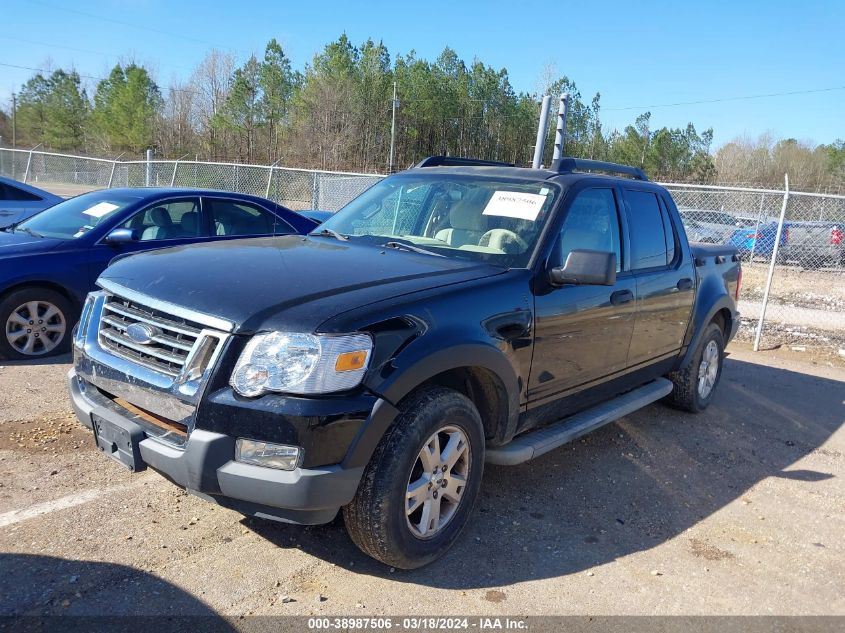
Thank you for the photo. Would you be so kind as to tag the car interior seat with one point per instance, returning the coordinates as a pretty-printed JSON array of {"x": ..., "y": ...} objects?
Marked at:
[
  {"x": 189, "y": 224},
  {"x": 162, "y": 227},
  {"x": 467, "y": 222}
]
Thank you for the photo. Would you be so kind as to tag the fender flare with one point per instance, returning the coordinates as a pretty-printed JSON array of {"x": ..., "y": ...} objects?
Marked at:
[
  {"x": 724, "y": 301},
  {"x": 415, "y": 371}
]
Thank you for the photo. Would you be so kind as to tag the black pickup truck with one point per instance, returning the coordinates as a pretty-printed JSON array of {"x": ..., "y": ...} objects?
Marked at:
[{"x": 457, "y": 313}]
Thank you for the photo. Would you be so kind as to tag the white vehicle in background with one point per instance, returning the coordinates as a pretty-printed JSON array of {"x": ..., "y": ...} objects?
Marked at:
[
  {"x": 815, "y": 244},
  {"x": 722, "y": 224},
  {"x": 19, "y": 201},
  {"x": 698, "y": 232}
]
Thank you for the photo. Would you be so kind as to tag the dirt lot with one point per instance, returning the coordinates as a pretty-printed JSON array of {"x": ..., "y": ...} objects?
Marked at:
[
  {"x": 736, "y": 511},
  {"x": 64, "y": 189}
]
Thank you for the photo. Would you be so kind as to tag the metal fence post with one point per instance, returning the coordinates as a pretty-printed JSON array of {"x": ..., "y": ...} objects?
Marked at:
[
  {"x": 314, "y": 192},
  {"x": 759, "y": 332},
  {"x": 148, "y": 175},
  {"x": 173, "y": 176},
  {"x": 28, "y": 163},
  {"x": 270, "y": 179},
  {"x": 111, "y": 175}
]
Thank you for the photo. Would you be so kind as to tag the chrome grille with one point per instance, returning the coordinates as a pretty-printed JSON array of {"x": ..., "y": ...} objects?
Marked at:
[{"x": 170, "y": 345}]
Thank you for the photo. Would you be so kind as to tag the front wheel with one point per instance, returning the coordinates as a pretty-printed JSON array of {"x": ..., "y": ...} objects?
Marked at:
[
  {"x": 421, "y": 484},
  {"x": 696, "y": 383},
  {"x": 36, "y": 323}
]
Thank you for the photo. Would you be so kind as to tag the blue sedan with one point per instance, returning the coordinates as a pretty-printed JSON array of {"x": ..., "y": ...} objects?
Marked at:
[
  {"x": 49, "y": 262},
  {"x": 18, "y": 201}
]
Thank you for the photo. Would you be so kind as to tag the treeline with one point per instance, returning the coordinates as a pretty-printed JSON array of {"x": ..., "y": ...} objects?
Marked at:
[{"x": 336, "y": 113}]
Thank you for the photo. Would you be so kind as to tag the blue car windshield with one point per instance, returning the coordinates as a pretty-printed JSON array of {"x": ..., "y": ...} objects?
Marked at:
[{"x": 73, "y": 218}]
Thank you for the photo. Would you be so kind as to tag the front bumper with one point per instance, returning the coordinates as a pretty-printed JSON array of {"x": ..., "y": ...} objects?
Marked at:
[{"x": 205, "y": 465}]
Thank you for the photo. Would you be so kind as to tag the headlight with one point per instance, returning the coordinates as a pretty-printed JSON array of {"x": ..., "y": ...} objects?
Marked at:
[{"x": 301, "y": 363}]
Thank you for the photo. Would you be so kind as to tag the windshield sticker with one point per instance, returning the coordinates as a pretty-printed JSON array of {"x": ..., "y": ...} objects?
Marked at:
[
  {"x": 100, "y": 209},
  {"x": 513, "y": 204}
]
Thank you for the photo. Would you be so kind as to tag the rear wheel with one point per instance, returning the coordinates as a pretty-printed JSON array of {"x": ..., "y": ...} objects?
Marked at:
[
  {"x": 421, "y": 484},
  {"x": 696, "y": 383},
  {"x": 36, "y": 323}
]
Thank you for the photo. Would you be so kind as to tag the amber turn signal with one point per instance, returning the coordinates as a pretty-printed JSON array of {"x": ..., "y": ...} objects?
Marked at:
[{"x": 350, "y": 361}]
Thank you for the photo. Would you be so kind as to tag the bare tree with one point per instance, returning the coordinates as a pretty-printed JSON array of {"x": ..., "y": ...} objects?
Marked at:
[{"x": 211, "y": 82}]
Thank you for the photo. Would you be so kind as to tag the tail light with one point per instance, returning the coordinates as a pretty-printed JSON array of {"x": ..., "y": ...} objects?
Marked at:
[
  {"x": 738, "y": 283},
  {"x": 752, "y": 236},
  {"x": 837, "y": 236},
  {"x": 785, "y": 235}
]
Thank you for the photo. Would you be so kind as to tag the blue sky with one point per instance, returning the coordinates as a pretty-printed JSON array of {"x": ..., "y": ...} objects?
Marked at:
[{"x": 637, "y": 54}]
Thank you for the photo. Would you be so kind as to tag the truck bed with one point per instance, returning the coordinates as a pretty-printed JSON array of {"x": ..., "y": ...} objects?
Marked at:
[{"x": 706, "y": 252}]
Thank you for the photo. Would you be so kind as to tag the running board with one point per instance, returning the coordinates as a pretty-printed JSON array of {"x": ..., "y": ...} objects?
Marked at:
[{"x": 535, "y": 443}]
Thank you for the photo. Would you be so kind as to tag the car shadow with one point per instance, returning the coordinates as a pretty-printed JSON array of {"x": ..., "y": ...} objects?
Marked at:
[
  {"x": 623, "y": 489},
  {"x": 61, "y": 359},
  {"x": 48, "y": 593}
]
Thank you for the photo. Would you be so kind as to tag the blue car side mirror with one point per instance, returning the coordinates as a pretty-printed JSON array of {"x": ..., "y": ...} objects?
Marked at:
[{"x": 122, "y": 236}]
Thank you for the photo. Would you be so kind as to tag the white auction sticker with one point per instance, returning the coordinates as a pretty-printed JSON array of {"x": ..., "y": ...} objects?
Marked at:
[
  {"x": 100, "y": 209},
  {"x": 514, "y": 204}
]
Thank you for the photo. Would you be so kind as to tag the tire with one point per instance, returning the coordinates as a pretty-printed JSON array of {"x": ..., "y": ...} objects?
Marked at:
[
  {"x": 689, "y": 394},
  {"x": 20, "y": 318},
  {"x": 377, "y": 518}
]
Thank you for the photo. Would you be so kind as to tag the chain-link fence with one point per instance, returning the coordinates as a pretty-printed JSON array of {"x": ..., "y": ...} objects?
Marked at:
[
  {"x": 791, "y": 243},
  {"x": 793, "y": 249},
  {"x": 297, "y": 189}
]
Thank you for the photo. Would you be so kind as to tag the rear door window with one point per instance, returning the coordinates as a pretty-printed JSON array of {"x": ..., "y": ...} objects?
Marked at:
[
  {"x": 671, "y": 237},
  {"x": 233, "y": 217},
  {"x": 646, "y": 229}
]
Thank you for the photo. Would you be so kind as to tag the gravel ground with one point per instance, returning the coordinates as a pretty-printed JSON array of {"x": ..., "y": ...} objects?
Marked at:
[{"x": 736, "y": 511}]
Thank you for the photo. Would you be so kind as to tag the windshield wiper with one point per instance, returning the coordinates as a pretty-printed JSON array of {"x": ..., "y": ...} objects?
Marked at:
[
  {"x": 410, "y": 247},
  {"x": 332, "y": 233},
  {"x": 29, "y": 231}
]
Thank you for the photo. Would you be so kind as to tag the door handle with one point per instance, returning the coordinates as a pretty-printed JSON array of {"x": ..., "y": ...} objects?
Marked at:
[
  {"x": 621, "y": 296},
  {"x": 684, "y": 284}
]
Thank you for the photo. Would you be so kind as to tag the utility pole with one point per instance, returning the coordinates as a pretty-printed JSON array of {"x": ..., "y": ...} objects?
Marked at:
[
  {"x": 14, "y": 121},
  {"x": 542, "y": 126},
  {"x": 393, "y": 130},
  {"x": 645, "y": 144},
  {"x": 560, "y": 133}
]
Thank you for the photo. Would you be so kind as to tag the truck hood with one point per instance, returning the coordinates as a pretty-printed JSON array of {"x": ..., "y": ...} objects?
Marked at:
[{"x": 284, "y": 283}]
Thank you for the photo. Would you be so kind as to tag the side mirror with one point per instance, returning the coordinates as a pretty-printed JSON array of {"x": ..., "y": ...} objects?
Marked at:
[
  {"x": 121, "y": 236},
  {"x": 586, "y": 268}
]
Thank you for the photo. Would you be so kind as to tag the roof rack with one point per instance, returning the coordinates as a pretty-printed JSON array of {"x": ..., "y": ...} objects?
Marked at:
[
  {"x": 459, "y": 161},
  {"x": 568, "y": 165}
]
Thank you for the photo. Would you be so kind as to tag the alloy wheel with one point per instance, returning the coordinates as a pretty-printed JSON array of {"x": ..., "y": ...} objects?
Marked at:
[
  {"x": 35, "y": 328},
  {"x": 708, "y": 370},
  {"x": 437, "y": 482}
]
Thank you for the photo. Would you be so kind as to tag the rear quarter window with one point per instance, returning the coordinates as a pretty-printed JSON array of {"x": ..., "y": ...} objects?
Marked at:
[
  {"x": 646, "y": 229},
  {"x": 8, "y": 192}
]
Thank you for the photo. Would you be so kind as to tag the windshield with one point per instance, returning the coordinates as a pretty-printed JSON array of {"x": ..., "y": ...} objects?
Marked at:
[
  {"x": 73, "y": 218},
  {"x": 471, "y": 217}
]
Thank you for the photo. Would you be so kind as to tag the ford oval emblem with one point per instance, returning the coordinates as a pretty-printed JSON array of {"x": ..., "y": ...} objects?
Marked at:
[{"x": 141, "y": 333}]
